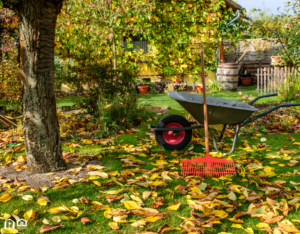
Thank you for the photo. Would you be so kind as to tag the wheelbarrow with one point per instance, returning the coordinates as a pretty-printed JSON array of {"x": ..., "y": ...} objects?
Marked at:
[{"x": 174, "y": 132}]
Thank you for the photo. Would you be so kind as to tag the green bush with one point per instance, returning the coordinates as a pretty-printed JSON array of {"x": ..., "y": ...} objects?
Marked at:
[
  {"x": 289, "y": 91},
  {"x": 104, "y": 86},
  {"x": 215, "y": 86},
  {"x": 121, "y": 113}
]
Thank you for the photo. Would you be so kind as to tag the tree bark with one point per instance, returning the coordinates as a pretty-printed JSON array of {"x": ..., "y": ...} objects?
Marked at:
[{"x": 37, "y": 21}]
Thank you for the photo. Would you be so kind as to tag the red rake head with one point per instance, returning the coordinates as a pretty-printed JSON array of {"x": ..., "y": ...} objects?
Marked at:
[{"x": 208, "y": 167}]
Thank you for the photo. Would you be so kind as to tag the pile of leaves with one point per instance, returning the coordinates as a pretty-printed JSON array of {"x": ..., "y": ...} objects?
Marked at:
[
  {"x": 146, "y": 192},
  {"x": 138, "y": 196}
]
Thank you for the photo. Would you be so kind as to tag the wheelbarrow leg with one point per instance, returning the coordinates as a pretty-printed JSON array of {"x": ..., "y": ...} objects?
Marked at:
[
  {"x": 234, "y": 139},
  {"x": 222, "y": 133},
  {"x": 214, "y": 139}
]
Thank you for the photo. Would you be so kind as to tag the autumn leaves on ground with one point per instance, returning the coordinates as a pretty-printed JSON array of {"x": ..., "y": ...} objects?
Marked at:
[{"x": 137, "y": 186}]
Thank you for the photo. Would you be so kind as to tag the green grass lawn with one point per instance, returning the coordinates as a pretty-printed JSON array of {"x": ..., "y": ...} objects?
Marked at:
[
  {"x": 164, "y": 100},
  {"x": 111, "y": 161}
]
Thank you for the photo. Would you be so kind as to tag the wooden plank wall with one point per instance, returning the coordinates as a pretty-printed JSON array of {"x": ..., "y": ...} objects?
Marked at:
[{"x": 258, "y": 54}]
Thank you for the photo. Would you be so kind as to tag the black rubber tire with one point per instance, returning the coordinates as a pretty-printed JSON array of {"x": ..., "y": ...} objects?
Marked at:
[{"x": 173, "y": 119}]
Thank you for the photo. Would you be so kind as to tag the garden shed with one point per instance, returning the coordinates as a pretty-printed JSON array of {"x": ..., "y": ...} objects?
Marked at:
[{"x": 148, "y": 73}]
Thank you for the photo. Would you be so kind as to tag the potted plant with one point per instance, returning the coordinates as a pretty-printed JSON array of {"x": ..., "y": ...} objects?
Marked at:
[
  {"x": 142, "y": 88},
  {"x": 199, "y": 88},
  {"x": 246, "y": 79}
]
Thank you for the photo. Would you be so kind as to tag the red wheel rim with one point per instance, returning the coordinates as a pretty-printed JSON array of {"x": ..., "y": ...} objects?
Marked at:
[{"x": 169, "y": 136}]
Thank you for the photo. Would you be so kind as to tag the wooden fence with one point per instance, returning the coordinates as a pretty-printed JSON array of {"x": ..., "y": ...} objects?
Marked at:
[{"x": 269, "y": 79}]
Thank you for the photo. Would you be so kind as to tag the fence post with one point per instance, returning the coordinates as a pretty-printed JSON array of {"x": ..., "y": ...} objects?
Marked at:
[
  {"x": 261, "y": 81},
  {"x": 257, "y": 81},
  {"x": 275, "y": 75},
  {"x": 268, "y": 80},
  {"x": 265, "y": 80}
]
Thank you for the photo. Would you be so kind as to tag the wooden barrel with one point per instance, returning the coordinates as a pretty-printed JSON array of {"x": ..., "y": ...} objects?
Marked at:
[{"x": 227, "y": 74}]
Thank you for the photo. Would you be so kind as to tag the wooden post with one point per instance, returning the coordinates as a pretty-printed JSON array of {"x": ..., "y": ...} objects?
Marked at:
[
  {"x": 204, "y": 105},
  {"x": 257, "y": 81},
  {"x": 261, "y": 81},
  {"x": 265, "y": 80},
  {"x": 268, "y": 80}
]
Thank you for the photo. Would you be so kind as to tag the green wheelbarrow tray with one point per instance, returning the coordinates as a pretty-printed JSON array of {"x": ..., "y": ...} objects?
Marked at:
[{"x": 219, "y": 111}]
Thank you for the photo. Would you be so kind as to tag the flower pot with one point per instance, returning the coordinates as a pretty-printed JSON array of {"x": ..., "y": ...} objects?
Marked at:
[
  {"x": 199, "y": 89},
  {"x": 142, "y": 89},
  {"x": 246, "y": 81},
  {"x": 277, "y": 60}
]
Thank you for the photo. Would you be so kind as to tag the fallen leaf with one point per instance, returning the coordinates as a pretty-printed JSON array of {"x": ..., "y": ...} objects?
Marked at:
[
  {"x": 85, "y": 220},
  {"x": 131, "y": 205},
  {"x": 113, "y": 225},
  {"x": 139, "y": 223},
  {"x": 175, "y": 206},
  {"x": 5, "y": 197},
  {"x": 48, "y": 228}
]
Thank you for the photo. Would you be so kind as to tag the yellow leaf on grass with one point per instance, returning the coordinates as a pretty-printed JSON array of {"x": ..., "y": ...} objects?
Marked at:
[
  {"x": 175, "y": 206},
  {"x": 269, "y": 171},
  {"x": 42, "y": 202},
  {"x": 236, "y": 220},
  {"x": 8, "y": 159},
  {"x": 6, "y": 215},
  {"x": 274, "y": 162},
  {"x": 152, "y": 219},
  {"x": 96, "y": 183},
  {"x": 196, "y": 190},
  {"x": 87, "y": 142},
  {"x": 56, "y": 210},
  {"x": 139, "y": 223},
  {"x": 71, "y": 216},
  {"x": 220, "y": 213},
  {"x": 232, "y": 196},
  {"x": 249, "y": 230},
  {"x": 131, "y": 205},
  {"x": 237, "y": 226},
  {"x": 158, "y": 183},
  {"x": 296, "y": 143},
  {"x": 154, "y": 176},
  {"x": 21, "y": 159},
  {"x": 113, "y": 225},
  {"x": 107, "y": 213},
  {"x": 5, "y": 197},
  {"x": 28, "y": 215},
  {"x": 93, "y": 177},
  {"x": 222, "y": 196},
  {"x": 27, "y": 197},
  {"x": 10, "y": 230},
  {"x": 16, "y": 211},
  {"x": 262, "y": 225},
  {"x": 56, "y": 219}
]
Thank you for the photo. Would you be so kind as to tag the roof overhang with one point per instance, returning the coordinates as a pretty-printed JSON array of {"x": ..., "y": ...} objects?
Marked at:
[{"x": 233, "y": 5}]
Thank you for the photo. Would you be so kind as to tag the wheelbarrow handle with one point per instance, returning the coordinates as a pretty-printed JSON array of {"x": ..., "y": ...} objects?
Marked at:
[
  {"x": 262, "y": 96},
  {"x": 268, "y": 111}
]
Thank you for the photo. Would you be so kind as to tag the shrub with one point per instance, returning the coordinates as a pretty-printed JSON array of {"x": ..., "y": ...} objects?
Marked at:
[
  {"x": 215, "y": 86},
  {"x": 104, "y": 85},
  {"x": 289, "y": 90},
  {"x": 121, "y": 113}
]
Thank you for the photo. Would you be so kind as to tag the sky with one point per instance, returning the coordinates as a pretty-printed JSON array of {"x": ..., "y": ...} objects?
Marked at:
[{"x": 261, "y": 4}]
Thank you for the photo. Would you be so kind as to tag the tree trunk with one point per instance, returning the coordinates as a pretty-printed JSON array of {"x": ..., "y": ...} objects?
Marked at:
[
  {"x": 193, "y": 86},
  {"x": 37, "y": 20}
]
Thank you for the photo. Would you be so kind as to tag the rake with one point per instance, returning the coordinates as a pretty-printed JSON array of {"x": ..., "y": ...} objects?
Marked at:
[{"x": 207, "y": 167}]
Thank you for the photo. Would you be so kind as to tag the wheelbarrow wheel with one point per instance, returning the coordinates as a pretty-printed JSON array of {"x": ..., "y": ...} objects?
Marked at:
[{"x": 170, "y": 140}]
